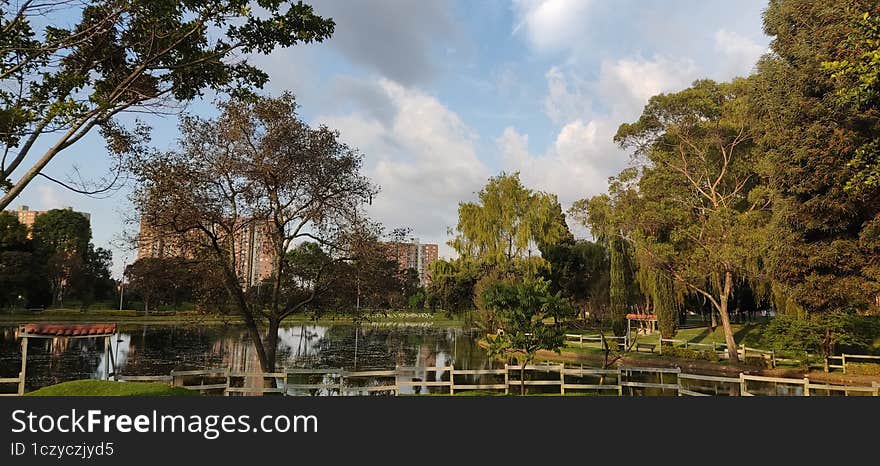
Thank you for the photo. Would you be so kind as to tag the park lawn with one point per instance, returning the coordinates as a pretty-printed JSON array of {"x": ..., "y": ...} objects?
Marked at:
[
  {"x": 744, "y": 334},
  {"x": 111, "y": 388}
]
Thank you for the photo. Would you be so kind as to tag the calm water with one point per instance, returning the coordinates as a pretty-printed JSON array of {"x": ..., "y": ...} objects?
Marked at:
[{"x": 159, "y": 349}]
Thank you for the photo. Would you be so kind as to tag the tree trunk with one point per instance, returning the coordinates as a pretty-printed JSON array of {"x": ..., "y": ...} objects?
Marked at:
[
  {"x": 725, "y": 319},
  {"x": 270, "y": 343}
]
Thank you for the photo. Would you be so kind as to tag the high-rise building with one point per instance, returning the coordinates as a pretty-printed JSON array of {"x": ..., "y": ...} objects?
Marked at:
[
  {"x": 254, "y": 255},
  {"x": 413, "y": 255},
  {"x": 27, "y": 217}
]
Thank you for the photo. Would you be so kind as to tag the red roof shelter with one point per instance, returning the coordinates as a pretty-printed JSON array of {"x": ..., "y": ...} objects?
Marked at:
[{"x": 105, "y": 331}]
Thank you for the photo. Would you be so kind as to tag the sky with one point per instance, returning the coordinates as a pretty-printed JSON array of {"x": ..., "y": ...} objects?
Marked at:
[{"x": 440, "y": 95}]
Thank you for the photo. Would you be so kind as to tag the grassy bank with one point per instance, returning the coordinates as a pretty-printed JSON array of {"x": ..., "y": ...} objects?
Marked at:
[{"x": 109, "y": 388}]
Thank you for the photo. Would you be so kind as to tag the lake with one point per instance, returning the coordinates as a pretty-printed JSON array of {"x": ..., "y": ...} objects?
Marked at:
[{"x": 159, "y": 349}]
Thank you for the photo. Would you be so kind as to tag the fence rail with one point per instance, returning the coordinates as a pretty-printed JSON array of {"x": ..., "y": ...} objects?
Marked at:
[{"x": 623, "y": 380}]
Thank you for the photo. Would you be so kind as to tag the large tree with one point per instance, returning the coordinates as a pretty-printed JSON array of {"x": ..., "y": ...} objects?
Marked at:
[
  {"x": 701, "y": 206},
  {"x": 819, "y": 130},
  {"x": 508, "y": 223},
  {"x": 62, "y": 241},
  {"x": 257, "y": 167},
  {"x": 61, "y": 83}
]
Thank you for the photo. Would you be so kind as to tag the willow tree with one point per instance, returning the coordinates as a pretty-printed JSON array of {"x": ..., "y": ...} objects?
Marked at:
[
  {"x": 702, "y": 205},
  {"x": 508, "y": 223},
  {"x": 604, "y": 215},
  {"x": 258, "y": 173}
]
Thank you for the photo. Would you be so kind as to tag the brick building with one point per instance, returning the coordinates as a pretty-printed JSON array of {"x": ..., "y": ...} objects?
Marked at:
[
  {"x": 413, "y": 255},
  {"x": 253, "y": 253},
  {"x": 26, "y": 216}
]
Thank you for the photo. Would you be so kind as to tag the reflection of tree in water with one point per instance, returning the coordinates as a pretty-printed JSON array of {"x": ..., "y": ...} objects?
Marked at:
[
  {"x": 386, "y": 347},
  {"x": 159, "y": 349}
]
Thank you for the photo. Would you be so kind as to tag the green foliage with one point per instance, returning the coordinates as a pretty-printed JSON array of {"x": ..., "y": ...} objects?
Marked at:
[
  {"x": 417, "y": 300},
  {"x": 863, "y": 368},
  {"x": 62, "y": 231},
  {"x": 118, "y": 55},
  {"x": 452, "y": 284},
  {"x": 508, "y": 222},
  {"x": 522, "y": 309},
  {"x": 857, "y": 77},
  {"x": 826, "y": 334},
  {"x": 13, "y": 235},
  {"x": 818, "y": 121},
  {"x": 690, "y": 353},
  {"x": 580, "y": 271}
]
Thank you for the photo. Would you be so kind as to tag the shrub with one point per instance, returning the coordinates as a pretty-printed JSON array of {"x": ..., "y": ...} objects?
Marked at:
[
  {"x": 690, "y": 353},
  {"x": 862, "y": 368}
]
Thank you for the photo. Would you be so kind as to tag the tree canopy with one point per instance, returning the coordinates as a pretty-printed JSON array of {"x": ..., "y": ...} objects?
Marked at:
[{"x": 125, "y": 55}]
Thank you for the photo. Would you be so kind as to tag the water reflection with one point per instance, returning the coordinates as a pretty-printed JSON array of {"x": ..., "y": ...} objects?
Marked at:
[{"x": 157, "y": 350}]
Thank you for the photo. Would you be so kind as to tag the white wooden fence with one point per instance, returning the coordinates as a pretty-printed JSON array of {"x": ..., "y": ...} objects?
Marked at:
[{"x": 510, "y": 379}]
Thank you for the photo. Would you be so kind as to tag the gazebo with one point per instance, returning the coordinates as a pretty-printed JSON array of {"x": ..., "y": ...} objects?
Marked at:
[
  {"x": 105, "y": 331},
  {"x": 647, "y": 322}
]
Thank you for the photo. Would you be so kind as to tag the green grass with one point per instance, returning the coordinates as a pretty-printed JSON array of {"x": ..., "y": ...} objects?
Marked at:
[{"x": 110, "y": 388}]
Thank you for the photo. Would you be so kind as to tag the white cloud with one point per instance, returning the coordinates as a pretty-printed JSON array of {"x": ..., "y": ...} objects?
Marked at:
[
  {"x": 741, "y": 53},
  {"x": 423, "y": 158},
  {"x": 49, "y": 198},
  {"x": 550, "y": 24},
  {"x": 583, "y": 155},
  {"x": 566, "y": 96},
  {"x": 576, "y": 165},
  {"x": 626, "y": 84}
]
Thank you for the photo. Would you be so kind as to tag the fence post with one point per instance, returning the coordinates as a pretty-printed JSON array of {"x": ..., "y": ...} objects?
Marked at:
[
  {"x": 562, "y": 378},
  {"x": 451, "y": 380},
  {"x": 23, "y": 374},
  {"x": 742, "y": 385},
  {"x": 806, "y": 386},
  {"x": 773, "y": 358},
  {"x": 582, "y": 340},
  {"x": 506, "y": 379},
  {"x": 826, "y": 364},
  {"x": 876, "y": 386},
  {"x": 619, "y": 381},
  {"x": 843, "y": 363}
]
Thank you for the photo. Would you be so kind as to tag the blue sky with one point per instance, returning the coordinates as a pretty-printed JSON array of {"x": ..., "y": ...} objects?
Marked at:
[{"x": 441, "y": 94}]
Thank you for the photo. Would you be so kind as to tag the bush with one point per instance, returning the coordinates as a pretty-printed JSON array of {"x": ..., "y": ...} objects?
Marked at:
[
  {"x": 690, "y": 353},
  {"x": 756, "y": 361},
  {"x": 862, "y": 368}
]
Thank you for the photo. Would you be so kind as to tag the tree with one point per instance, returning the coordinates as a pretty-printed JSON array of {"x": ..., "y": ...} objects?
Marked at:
[
  {"x": 160, "y": 280},
  {"x": 705, "y": 204},
  {"x": 825, "y": 253},
  {"x": 508, "y": 222},
  {"x": 17, "y": 273},
  {"x": 579, "y": 270},
  {"x": 452, "y": 284},
  {"x": 61, "y": 238},
  {"x": 257, "y": 167},
  {"x": 522, "y": 309},
  {"x": 13, "y": 234},
  {"x": 604, "y": 215},
  {"x": 125, "y": 55},
  {"x": 856, "y": 72}
]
